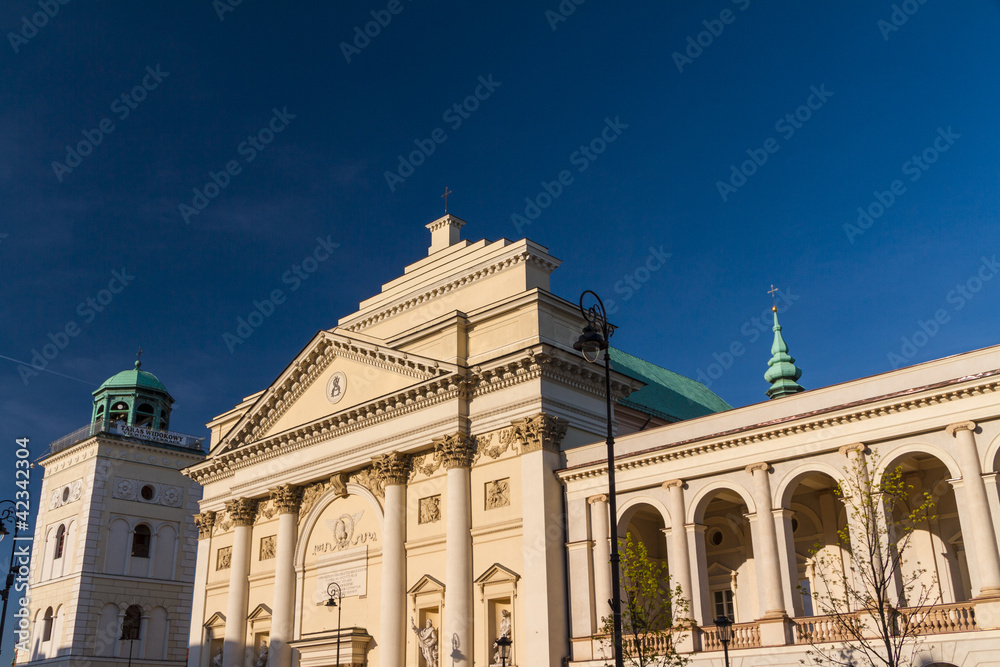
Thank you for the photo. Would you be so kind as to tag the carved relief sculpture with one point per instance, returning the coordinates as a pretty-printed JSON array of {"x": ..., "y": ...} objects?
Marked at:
[
  {"x": 429, "y": 509},
  {"x": 427, "y": 638},
  {"x": 498, "y": 493},
  {"x": 224, "y": 559},
  {"x": 267, "y": 546}
]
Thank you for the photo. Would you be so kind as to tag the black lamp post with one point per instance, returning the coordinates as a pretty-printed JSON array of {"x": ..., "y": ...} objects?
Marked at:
[
  {"x": 503, "y": 649},
  {"x": 725, "y": 628},
  {"x": 337, "y": 602},
  {"x": 7, "y": 515},
  {"x": 596, "y": 337}
]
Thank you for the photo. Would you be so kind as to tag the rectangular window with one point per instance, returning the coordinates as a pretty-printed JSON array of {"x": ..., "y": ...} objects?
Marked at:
[
  {"x": 807, "y": 597},
  {"x": 724, "y": 604}
]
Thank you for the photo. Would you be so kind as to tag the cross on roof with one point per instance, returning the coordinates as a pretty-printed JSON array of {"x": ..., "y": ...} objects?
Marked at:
[
  {"x": 445, "y": 195},
  {"x": 772, "y": 291}
]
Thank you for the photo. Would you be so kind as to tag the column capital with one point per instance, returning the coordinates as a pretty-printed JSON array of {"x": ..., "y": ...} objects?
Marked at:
[
  {"x": 699, "y": 528},
  {"x": 539, "y": 432},
  {"x": 952, "y": 429},
  {"x": 242, "y": 511},
  {"x": 392, "y": 468},
  {"x": 754, "y": 467},
  {"x": 205, "y": 522},
  {"x": 673, "y": 483},
  {"x": 593, "y": 500},
  {"x": 852, "y": 448},
  {"x": 455, "y": 450},
  {"x": 287, "y": 498}
]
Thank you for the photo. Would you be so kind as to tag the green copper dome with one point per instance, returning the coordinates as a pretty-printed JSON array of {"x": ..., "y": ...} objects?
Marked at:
[{"x": 134, "y": 377}]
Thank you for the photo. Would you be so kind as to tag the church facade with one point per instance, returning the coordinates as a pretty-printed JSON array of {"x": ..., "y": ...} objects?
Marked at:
[{"x": 428, "y": 476}]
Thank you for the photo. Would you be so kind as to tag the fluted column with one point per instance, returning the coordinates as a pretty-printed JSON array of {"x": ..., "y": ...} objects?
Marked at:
[
  {"x": 602, "y": 557},
  {"x": 242, "y": 512},
  {"x": 287, "y": 500},
  {"x": 393, "y": 471},
  {"x": 205, "y": 522},
  {"x": 977, "y": 510},
  {"x": 455, "y": 639},
  {"x": 680, "y": 566}
]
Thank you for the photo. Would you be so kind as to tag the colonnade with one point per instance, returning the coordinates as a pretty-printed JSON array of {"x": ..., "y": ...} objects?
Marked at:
[{"x": 774, "y": 556}]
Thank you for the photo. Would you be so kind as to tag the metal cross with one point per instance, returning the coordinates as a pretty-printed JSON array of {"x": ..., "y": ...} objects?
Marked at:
[
  {"x": 445, "y": 195},
  {"x": 772, "y": 292}
]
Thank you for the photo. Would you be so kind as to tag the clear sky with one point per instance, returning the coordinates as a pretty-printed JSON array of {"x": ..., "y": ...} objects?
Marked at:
[{"x": 738, "y": 137}]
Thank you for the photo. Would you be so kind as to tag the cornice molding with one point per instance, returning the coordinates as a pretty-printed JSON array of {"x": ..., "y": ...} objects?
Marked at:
[
  {"x": 904, "y": 401},
  {"x": 480, "y": 272}
]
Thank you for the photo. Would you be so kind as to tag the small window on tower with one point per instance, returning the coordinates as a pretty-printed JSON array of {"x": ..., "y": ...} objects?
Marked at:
[
  {"x": 119, "y": 412},
  {"x": 132, "y": 622},
  {"x": 140, "y": 541},
  {"x": 60, "y": 542},
  {"x": 144, "y": 415}
]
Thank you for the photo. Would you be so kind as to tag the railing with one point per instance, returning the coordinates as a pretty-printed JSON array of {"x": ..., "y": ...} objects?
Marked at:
[
  {"x": 936, "y": 620},
  {"x": 133, "y": 433},
  {"x": 745, "y": 635}
]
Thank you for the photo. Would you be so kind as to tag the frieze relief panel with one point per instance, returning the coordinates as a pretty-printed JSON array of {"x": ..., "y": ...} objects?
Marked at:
[
  {"x": 66, "y": 494},
  {"x": 498, "y": 493},
  {"x": 429, "y": 510},
  {"x": 147, "y": 492}
]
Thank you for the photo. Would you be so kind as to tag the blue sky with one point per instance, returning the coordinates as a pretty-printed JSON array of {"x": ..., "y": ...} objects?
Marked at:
[{"x": 819, "y": 108}]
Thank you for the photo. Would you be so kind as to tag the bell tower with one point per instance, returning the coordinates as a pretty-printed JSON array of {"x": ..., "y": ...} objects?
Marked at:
[{"x": 113, "y": 557}]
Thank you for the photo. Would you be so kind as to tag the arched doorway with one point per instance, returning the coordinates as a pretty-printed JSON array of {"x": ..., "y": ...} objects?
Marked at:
[{"x": 726, "y": 571}]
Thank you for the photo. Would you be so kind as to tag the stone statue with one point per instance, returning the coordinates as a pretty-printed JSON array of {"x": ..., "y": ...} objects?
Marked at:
[
  {"x": 504, "y": 631},
  {"x": 262, "y": 656},
  {"x": 427, "y": 638},
  {"x": 217, "y": 660}
]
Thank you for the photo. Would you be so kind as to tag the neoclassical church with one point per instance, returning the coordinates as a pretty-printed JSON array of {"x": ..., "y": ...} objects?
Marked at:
[
  {"x": 429, "y": 475},
  {"x": 114, "y": 550}
]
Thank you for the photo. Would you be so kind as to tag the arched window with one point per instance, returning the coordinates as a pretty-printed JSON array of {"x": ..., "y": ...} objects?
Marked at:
[
  {"x": 140, "y": 541},
  {"x": 131, "y": 624},
  {"x": 119, "y": 412},
  {"x": 144, "y": 415},
  {"x": 47, "y": 625},
  {"x": 60, "y": 542}
]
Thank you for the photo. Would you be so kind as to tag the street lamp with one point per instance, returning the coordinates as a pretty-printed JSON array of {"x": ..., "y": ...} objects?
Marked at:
[
  {"x": 503, "y": 649},
  {"x": 7, "y": 514},
  {"x": 334, "y": 587},
  {"x": 725, "y": 628},
  {"x": 596, "y": 337}
]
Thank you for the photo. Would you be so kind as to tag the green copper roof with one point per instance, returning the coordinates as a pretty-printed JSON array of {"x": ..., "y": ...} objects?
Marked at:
[
  {"x": 133, "y": 378},
  {"x": 666, "y": 394},
  {"x": 782, "y": 372}
]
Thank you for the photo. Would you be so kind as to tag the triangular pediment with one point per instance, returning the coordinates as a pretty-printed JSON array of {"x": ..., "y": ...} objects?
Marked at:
[
  {"x": 426, "y": 584},
  {"x": 261, "y": 612},
  {"x": 496, "y": 574},
  {"x": 216, "y": 620},
  {"x": 333, "y": 373}
]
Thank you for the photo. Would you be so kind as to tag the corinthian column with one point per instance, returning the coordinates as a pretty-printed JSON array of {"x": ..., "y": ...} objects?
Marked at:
[
  {"x": 455, "y": 639},
  {"x": 287, "y": 499},
  {"x": 393, "y": 470},
  {"x": 242, "y": 512},
  {"x": 977, "y": 511},
  {"x": 205, "y": 522},
  {"x": 773, "y": 629}
]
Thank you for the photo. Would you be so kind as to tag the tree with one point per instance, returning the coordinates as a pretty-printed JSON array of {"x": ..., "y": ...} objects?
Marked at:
[
  {"x": 874, "y": 598},
  {"x": 654, "y": 615}
]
